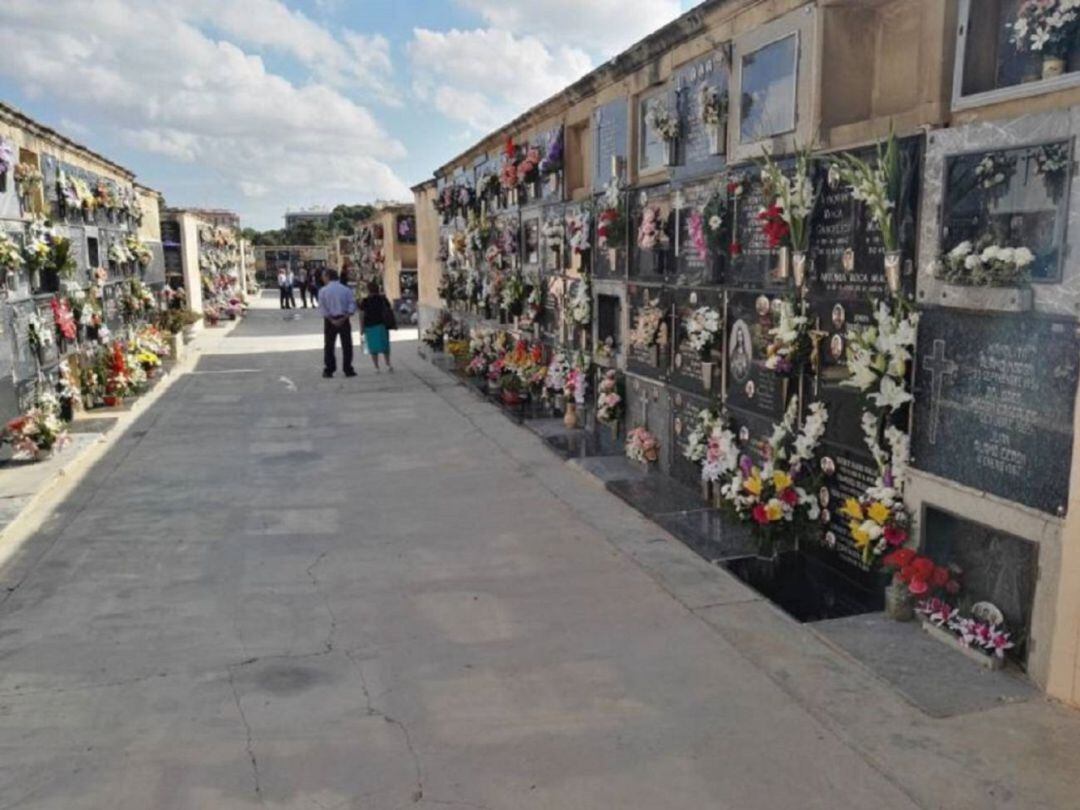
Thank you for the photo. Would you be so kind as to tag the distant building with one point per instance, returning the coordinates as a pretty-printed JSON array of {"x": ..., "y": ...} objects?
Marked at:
[{"x": 317, "y": 215}]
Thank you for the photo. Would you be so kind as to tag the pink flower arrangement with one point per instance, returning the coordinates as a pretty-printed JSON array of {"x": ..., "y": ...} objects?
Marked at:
[
  {"x": 651, "y": 231},
  {"x": 508, "y": 176},
  {"x": 987, "y": 638},
  {"x": 642, "y": 446},
  {"x": 696, "y": 225}
]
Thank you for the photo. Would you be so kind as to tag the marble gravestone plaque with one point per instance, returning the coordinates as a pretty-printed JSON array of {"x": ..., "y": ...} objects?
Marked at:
[
  {"x": 653, "y": 361},
  {"x": 685, "y": 409},
  {"x": 754, "y": 264},
  {"x": 753, "y": 431},
  {"x": 110, "y": 307},
  {"x": 994, "y": 402},
  {"x": 847, "y": 254},
  {"x": 751, "y": 386},
  {"x": 25, "y": 363},
  {"x": 695, "y": 155},
  {"x": 687, "y": 366},
  {"x": 50, "y": 352},
  {"x": 997, "y": 567},
  {"x": 611, "y": 141},
  {"x": 648, "y": 405}
]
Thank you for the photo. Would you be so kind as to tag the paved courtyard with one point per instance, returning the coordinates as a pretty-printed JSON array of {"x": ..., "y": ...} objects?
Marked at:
[{"x": 283, "y": 591}]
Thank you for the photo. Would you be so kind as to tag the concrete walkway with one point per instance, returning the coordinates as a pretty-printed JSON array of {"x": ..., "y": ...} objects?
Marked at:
[{"x": 289, "y": 592}]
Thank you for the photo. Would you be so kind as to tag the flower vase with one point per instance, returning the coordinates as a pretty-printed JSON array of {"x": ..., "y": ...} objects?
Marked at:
[
  {"x": 707, "y": 374},
  {"x": 43, "y": 453},
  {"x": 613, "y": 259},
  {"x": 798, "y": 268},
  {"x": 1052, "y": 67},
  {"x": 570, "y": 420},
  {"x": 899, "y": 605},
  {"x": 717, "y": 134},
  {"x": 671, "y": 151},
  {"x": 783, "y": 268},
  {"x": 892, "y": 271}
]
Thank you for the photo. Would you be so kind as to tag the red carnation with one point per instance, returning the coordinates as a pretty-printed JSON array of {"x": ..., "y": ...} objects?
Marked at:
[
  {"x": 918, "y": 587},
  {"x": 900, "y": 558},
  {"x": 923, "y": 568},
  {"x": 760, "y": 515},
  {"x": 896, "y": 536},
  {"x": 789, "y": 496},
  {"x": 940, "y": 577}
]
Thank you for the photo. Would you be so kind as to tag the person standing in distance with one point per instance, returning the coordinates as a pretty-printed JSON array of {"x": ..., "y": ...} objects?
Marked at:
[
  {"x": 376, "y": 317},
  {"x": 282, "y": 283},
  {"x": 336, "y": 305}
]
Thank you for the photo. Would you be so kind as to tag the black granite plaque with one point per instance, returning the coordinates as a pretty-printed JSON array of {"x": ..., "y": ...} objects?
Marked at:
[
  {"x": 693, "y": 263},
  {"x": 753, "y": 431},
  {"x": 845, "y": 474},
  {"x": 688, "y": 371},
  {"x": 656, "y": 262},
  {"x": 994, "y": 403},
  {"x": 847, "y": 254},
  {"x": 611, "y": 139},
  {"x": 753, "y": 263},
  {"x": 996, "y": 567},
  {"x": 751, "y": 386},
  {"x": 551, "y": 320},
  {"x": 685, "y": 409},
  {"x": 653, "y": 361}
]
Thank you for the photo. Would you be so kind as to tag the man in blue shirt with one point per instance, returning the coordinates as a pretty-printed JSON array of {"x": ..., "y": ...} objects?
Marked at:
[{"x": 336, "y": 305}]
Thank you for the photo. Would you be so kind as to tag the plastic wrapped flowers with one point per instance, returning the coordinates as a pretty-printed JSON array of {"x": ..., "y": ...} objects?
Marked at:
[{"x": 37, "y": 432}]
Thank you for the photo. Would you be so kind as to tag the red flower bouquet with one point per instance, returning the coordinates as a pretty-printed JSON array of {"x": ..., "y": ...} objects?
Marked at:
[
  {"x": 773, "y": 225},
  {"x": 922, "y": 576}
]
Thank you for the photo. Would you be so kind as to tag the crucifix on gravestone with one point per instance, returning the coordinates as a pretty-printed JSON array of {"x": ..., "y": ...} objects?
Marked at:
[{"x": 941, "y": 369}]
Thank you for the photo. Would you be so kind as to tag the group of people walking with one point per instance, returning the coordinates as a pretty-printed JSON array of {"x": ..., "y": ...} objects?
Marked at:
[
  {"x": 307, "y": 282},
  {"x": 337, "y": 305}
]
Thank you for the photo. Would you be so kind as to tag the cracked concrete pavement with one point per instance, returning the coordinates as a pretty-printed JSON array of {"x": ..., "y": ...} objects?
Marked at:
[{"x": 287, "y": 592}]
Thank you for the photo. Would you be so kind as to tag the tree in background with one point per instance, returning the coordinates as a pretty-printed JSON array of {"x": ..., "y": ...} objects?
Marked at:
[{"x": 342, "y": 222}]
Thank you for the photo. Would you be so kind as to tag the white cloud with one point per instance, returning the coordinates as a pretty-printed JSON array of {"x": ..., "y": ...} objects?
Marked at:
[
  {"x": 485, "y": 77},
  {"x": 143, "y": 69},
  {"x": 600, "y": 27}
]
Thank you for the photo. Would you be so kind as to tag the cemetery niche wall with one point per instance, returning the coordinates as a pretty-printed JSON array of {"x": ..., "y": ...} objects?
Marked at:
[{"x": 939, "y": 389}]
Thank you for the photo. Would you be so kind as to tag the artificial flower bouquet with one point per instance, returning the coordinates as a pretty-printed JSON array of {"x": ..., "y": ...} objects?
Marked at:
[
  {"x": 790, "y": 345},
  {"x": 578, "y": 226},
  {"x": 703, "y": 330},
  {"x": 663, "y": 122},
  {"x": 878, "y": 521},
  {"x": 1046, "y": 27},
  {"x": 878, "y": 355},
  {"x": 920, "y": 574},
  {"x": 609, "y": 400},
  {"x": 38, "y": 431},
  {"x": 647, "y": 326},
  {"x": 580, "y": 309},
  {"x": 985, "y": 264},
  {"x": 788, "y": 218},
  {"x": 611, "y": 221},
  {"x": 775, "y": 496},
  {"x": 642, "y": 446},
  {"x": 986, "y": 637},
  {"x": 557, "y": 370},
  {"x": 652, "y": 233},
  {"x": 876, "y": 186},
  {"x": 713, "y": 444}
]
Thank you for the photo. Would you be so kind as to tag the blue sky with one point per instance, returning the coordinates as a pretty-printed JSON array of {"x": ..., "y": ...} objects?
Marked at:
[{"x": 263, "y": 105}]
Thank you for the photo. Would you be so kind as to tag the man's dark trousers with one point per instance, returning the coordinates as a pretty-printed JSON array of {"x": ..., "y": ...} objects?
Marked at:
[{"x": 330, "y": 336}]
